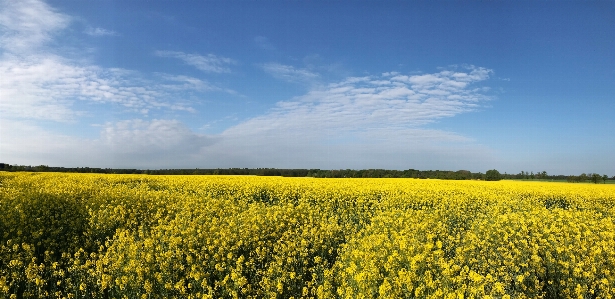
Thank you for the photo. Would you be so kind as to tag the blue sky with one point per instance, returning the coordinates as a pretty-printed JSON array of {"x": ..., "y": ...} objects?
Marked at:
[{"x": 511, "y": 85}]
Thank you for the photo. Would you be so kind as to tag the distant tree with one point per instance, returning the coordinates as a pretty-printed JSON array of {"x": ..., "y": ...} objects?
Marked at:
[
  {"x": 583, "y": 177},
  {"x": 532, "y": 176},
  {"x": 595, "y": 178},
  {"x": 604, "y": 178},
  {"x": 463, "y": 175},
  {"x": 493, "y": 175},
  {"x": 543, "y": 174},
  {"x": 41, "y": 168}
]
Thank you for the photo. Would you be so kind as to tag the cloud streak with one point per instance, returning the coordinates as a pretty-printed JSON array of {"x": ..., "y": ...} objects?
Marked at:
[
  {"x": 46, "y": 87},
  {"x": 27, "y": 25},
  {"x": 37, "y": 85},
  {"x": 206, "y": 63},
  {"x": 289, "y": 73},
  {"x": 100, "y": 32},
  {"x": 359, "y": 103}
]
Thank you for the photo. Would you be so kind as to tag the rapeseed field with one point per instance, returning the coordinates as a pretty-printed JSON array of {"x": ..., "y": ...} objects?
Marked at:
[{"x": 139, "y": 236}]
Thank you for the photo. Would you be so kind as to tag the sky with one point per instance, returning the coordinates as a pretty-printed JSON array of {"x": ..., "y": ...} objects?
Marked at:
[{"x": 444, "y": 85}]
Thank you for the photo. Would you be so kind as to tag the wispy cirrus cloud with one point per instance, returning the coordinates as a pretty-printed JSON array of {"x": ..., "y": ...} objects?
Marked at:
[
  {"x": 39, "y": 85},
  {"x": 47, "y": 87},
  {"x": 362, "y": 122},
  {"x": 207, "y": 63},
  {"x": 99, "y": 32},
  {"x": 289, "y": 73},
  {"x": 26, "y": 25},
  {"x": 383, "y": 101}
]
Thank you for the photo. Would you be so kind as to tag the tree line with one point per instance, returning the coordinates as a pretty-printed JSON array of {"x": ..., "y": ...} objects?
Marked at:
[
  {"x": 490, "y": 175},
  {"x": 318, "y": 173},
  {"x": 582, "y": 178},
  {"x": 593, "y": 177}
]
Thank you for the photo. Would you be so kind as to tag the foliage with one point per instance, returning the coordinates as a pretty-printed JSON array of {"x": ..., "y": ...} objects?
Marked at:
[
  {"x": 136, "y": 236},
  {"x": 492, "y": 175}
]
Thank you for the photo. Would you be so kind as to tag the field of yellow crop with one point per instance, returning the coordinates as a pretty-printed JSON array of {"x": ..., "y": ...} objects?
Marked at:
[{"x": 138, "y": 236}]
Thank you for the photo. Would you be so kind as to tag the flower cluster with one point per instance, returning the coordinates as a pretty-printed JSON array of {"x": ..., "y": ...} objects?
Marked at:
[{"x": 139, "y": 236}]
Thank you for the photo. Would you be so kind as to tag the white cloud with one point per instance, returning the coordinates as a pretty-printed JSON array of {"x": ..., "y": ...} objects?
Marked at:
[
  {"x": 99, "y": 32},
  {"x": 362, "y": 122},
  {"x": 46, "y": 87},
  {"x": 289, "y": 73},
  {"x": 181, "y": 82},
  {"x": 124, "y": 144},
  {"x": 28, "y": 24},
  {"x": 369, "y": 102},
  {"x": 39, "y": 85},
  {"x": 140, "y": 137},
  {"x": 389, "y": 74},
  {"x": 207, "y": 63}
]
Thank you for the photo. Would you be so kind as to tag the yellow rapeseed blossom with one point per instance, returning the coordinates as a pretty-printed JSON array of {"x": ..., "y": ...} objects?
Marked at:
[{"x": 140, "y": 236}]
